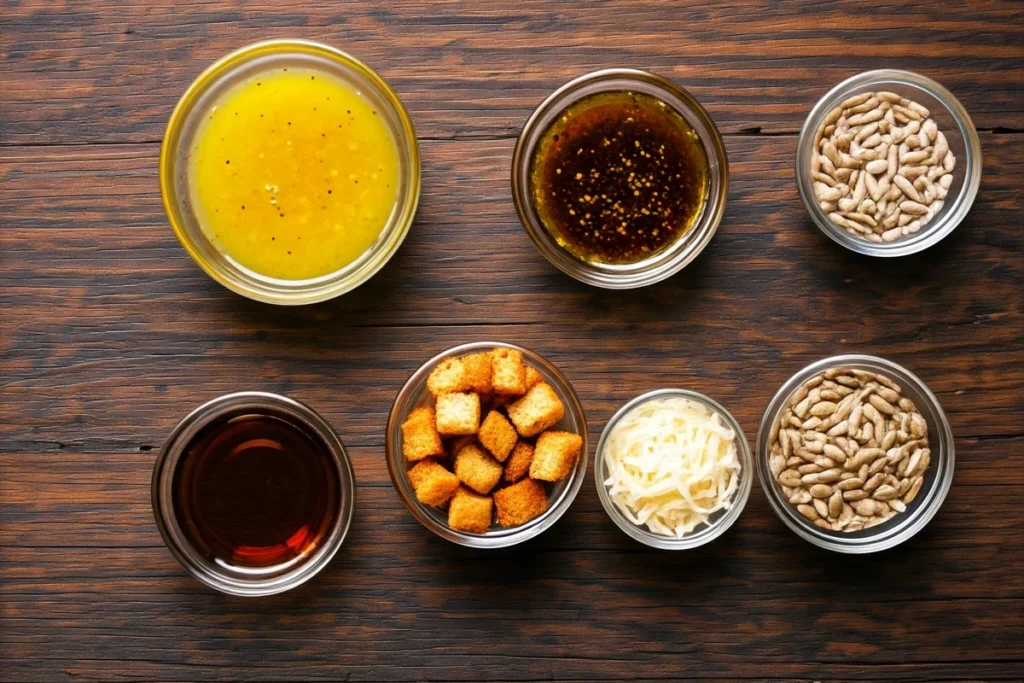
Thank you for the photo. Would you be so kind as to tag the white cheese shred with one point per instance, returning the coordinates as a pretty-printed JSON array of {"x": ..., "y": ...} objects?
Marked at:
[{"x": 671, "y": 464}]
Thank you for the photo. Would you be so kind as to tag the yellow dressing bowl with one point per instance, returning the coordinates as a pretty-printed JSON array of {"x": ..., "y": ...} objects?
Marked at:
[{"x": 218, "y": 244}]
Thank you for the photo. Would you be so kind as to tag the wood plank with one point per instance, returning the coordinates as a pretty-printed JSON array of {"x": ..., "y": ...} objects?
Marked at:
[
  {"x": 112, "y": 72},
  {"x": 83, "y": 566},
  {"x": 101, "y": 500},
  {"x": 135, "y": 334}
]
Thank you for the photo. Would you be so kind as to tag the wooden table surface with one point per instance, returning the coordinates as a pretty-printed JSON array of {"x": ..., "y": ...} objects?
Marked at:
[{"x": 110, "y": 334}]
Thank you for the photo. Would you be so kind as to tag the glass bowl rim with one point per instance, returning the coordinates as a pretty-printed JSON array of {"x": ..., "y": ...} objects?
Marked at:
[
  {"x": 965, "y": 194},
  {"x": 931, "y": 499},
  {"x": 661, "y": 265},
  {"x": 710, "y": 532},
  {"x": 402, "y": 406},
  {"x": 392, "y": 235},
  {"x": 171, "y": 452}
]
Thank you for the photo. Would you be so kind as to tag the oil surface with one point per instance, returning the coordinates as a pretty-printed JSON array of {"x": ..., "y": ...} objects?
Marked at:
[
  {"x": 618, "y": 177},
  {"x": 293, "y": 174},
  {"x": 256, "y": 491}
]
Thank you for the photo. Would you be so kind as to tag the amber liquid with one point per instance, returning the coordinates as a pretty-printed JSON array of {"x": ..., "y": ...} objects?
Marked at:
[
  {"x": 618, "y": 177},
  {"x": 256, "y": 491}
]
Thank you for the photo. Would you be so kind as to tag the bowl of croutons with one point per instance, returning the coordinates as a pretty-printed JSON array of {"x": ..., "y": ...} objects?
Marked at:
[{"x": 487, "y": 444}]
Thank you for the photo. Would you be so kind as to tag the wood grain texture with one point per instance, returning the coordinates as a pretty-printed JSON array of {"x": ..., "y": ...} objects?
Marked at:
[
  {"x": 107, "y": 71},
  {"x": 109, "y": 334}
]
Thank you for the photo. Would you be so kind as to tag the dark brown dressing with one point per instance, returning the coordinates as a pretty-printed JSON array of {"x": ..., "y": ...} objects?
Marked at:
[
  {"x": 618, "y": 177},
  {"x": 256, "y": 491}
]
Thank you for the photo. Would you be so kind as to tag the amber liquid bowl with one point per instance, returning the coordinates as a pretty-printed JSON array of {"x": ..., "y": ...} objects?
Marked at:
[
  {"x": 663, "y": 263},
  {"x": 253, "y": 493}
]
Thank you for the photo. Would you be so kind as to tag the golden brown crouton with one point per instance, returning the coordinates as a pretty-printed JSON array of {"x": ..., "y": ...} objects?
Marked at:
[
  {"x": 476, "y": 469},
  {"x": 539, "y": 409},
  {"x": 533, "y": 377},
  {"x": 458, "y": 414},
  {"x": 497, "y": 435},
  {"x": 419, "y": 435},
  {"x": 434, "y": 485},
  {"x": 477, "y": 372},
  {"x": 508, "y": 372},
  {"x": 519, "y": 503},
  {"x": 470, "y": 512},
  {"x": 555, "y": 455},
  {"x": 518, "y": 464},
  {"x": 448, "y": 377}
]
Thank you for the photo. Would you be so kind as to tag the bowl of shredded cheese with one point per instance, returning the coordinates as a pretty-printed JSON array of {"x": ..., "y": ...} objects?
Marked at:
[{"x": 673, "y": 469}]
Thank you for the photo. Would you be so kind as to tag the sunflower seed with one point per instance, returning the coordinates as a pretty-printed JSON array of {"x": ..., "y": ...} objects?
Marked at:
[
  {"x": 835, "y": 504},
  {"x": 850, "y": 484},
  {"x": 865, "y": 507},
  {"x": 808, "y": 512},
  {"x": 821, "y": 491},
  {"x": 874, "y": 482},
  {"x": 800, "y": 497},
  {"x": 884, "y": 492},
  {"x": 915, "y": 487}
]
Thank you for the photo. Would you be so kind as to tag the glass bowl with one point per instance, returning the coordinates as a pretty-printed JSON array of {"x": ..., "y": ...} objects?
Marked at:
[
  {"x": 720, "y": 521},
  {"x": 203, "y": 94},
  {"x": 664, "y": 263},
  {"x": 240, "y": 580},
  {"x": 951, "y": 118},
  {"x": 937, "y": 478},
  {"x": 560, "y": 495}
]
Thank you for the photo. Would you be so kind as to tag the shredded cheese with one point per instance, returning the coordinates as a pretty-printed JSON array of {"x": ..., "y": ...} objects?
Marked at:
[{"x": 671, "y": 463}]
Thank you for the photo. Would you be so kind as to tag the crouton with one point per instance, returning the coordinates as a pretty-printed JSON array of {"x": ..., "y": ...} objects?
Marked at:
[
  {"x": 476, "y": 369},
  {"x": 476, "y": 469},
  {"x": 555, "y": 455},
  {"x": 519, "y": 503},
  {"x": 448, "y": 377},
  {"x": 508, "y": 372},
  {"x": 458, "y": 414},
  {"x": 470, "y": 512},
  {"x": 533, "y": 377},
  {"x": 538, "y": 410},
  {"x": 419, "y": 435},
  {"x": 518, "y": 464},
  {"x": 433, "y": 484},
  {"x": 497, "y": 435}
]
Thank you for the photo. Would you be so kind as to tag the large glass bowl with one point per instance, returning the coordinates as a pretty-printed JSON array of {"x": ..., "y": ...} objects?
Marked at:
[
  {"x": 560, "y": 495},
  {"x": 951, "y": 118},
  {"x": 238, "y": 580},
  {"x": 204, "y": 93},
  {"x": 937, "y": 478},
  {"x": 720, "y": 521},
  {"x": 664, "y": 263}
]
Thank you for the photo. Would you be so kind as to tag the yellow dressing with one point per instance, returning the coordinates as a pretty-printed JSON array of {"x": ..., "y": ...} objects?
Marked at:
[{"x": 293, "y": 174}]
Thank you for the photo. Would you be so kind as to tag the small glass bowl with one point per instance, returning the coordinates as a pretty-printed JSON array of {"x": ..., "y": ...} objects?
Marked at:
[
  {"x": 238, "y": 581},
  {"x": 937, "y": 479},
  {"x": 664, "y": 263},
  {"x": 204, "y": 93},
  {"x": 414, "y": 394},
  {"x": 720, "y": 521},
  {"x": 951, "y": 118}
]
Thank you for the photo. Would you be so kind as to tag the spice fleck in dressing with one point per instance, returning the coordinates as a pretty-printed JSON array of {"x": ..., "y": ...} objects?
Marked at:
[
  {"x": 293, "y": 174},
  {"x": 618, "y": 177}
]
